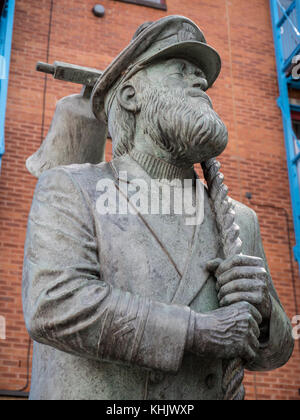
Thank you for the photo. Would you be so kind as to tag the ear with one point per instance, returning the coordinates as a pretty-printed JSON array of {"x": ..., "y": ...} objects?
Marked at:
[{"x": 127, "y": 97}]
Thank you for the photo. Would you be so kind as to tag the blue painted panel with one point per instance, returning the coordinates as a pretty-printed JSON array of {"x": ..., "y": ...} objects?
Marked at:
[
  {"x": 6, "y": 30},
  {"x": 288, "y": 61},
  {"x": 287, "y": 13},
  {"x": 298, "y": 12},
  {"x": 286, "y": 27}
]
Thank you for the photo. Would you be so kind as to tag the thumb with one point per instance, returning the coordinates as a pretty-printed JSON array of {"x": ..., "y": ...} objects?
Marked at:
[{"x": 213, "y": 265}]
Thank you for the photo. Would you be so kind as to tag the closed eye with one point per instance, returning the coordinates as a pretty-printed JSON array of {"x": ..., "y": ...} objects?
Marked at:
[{"x": 176, "y": 74}]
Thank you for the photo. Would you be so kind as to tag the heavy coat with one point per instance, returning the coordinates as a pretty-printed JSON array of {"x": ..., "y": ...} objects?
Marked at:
[{"x": 107, "y": 309}]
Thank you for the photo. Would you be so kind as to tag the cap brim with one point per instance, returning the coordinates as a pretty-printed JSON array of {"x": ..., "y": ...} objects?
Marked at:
[
  {"x": 196, "y": 51},
  {"x": 202, "y": 55}
]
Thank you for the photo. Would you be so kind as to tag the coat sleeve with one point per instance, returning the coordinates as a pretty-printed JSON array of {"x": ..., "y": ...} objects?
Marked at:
[
  {"x": 66, "y": 303},
  {"x": 277, "y": 343}
]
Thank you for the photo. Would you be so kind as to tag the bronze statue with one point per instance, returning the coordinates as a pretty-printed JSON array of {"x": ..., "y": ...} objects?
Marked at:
[{"x": 133, "y": 305}]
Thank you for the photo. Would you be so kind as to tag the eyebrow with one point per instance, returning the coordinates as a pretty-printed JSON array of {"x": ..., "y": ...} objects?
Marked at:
[
  {"x": 173, "y": 61},
  {"x": 178, "y": 60}
]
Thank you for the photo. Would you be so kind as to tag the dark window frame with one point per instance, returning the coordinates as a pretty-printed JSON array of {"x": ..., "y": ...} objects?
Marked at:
[
  {"x": 147, "y": 3},
  {"x": 296, "y": 128},
  {"x": 2, "y": 4},
  {"x": 296, "y": 123}
]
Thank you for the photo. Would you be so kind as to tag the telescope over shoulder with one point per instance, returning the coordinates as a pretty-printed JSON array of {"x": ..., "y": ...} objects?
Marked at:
[
  {"x": 70, "y": 73},
  {"x": 75, "y": 135}
]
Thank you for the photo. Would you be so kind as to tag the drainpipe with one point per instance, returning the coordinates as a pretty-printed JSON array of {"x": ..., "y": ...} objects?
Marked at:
[{"x": 6, "y": 29}]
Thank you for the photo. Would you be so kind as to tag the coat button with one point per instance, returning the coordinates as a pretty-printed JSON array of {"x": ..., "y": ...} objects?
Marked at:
[
  {"x": 210, "y": 381},
  {"x": 156, "y": 378}
]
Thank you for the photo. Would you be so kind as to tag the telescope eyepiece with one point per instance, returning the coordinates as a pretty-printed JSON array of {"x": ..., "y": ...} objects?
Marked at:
[{"x": 45, "y": 68}]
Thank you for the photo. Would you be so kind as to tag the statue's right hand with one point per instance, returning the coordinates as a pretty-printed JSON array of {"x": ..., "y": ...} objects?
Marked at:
[{"x": 227, "y": 333}]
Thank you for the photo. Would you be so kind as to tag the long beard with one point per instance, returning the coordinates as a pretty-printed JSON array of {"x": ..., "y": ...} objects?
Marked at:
[{"x": 190, "y": 132}]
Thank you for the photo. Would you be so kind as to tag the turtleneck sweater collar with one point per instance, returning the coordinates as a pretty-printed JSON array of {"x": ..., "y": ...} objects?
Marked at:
[{"x": 159, "y": 168}]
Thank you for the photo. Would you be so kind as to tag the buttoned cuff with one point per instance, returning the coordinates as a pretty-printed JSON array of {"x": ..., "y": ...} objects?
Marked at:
[{"x": 164, "y": 340}]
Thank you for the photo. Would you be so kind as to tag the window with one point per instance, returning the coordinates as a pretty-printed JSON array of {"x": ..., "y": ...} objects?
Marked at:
[
  {"x": 296, "y": 126},
  {"x": 157, "y": 4},
  {"x": 296, "y": 123},
  {"x": 2, "y": 2}
]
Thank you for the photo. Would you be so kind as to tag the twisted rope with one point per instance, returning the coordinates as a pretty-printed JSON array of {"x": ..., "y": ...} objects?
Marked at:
[{"x": 232, "y": 245}]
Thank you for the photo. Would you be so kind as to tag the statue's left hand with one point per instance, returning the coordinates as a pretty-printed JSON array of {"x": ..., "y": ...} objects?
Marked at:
[{"x": 242, "y": 278}]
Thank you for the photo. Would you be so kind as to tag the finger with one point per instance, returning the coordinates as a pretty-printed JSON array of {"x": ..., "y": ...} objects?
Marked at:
[
  {"x": 255, "y": 313},
  {"x": 236, "y": 298},
  {"x": 255, "y": 328},
  {"x": 254, "y": 319},
  {"x": 241, "y": 285},
  {"x": 241, "y": 273},
  {"x": 252, "y": 347},
  {"x": 239, "y": 260},
  {"x": 253, "y": 341},
  {"x": 247, "y": 299},
  {"x": 248, "y": 354},
  {"x": 212, "y": 265}
]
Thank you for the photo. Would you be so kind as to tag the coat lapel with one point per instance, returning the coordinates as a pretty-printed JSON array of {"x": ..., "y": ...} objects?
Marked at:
[
  {"x": 121, "y": 177},
  {"x": 204, "y": 248}
]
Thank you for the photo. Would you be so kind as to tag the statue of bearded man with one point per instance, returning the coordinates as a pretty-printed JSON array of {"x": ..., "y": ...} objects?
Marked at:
[{"x": 138, "y": 305}]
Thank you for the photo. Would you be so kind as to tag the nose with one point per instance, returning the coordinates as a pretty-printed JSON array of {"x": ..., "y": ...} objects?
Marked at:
[{"x": 200, "y": 82}]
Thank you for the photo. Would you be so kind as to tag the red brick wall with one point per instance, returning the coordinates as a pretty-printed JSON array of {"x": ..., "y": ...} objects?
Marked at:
[{"x": 245, "y": 97}]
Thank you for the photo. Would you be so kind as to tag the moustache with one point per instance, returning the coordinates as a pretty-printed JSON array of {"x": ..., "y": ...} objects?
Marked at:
[{"x": 197, "y": 93}]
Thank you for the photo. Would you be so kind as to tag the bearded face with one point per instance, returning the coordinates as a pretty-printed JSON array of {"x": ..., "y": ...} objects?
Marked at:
[
  {"x": 183, "y": 123},
  {"x": 167, "y": 103}
]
